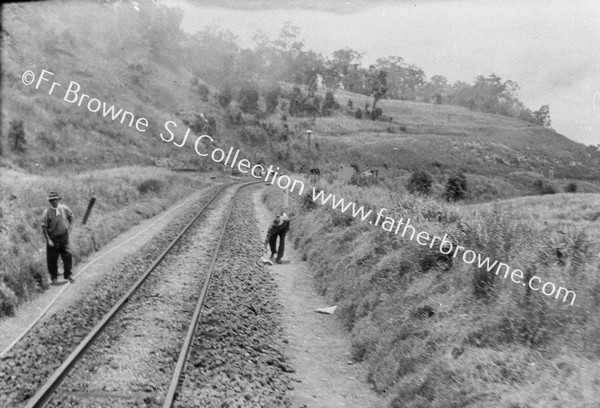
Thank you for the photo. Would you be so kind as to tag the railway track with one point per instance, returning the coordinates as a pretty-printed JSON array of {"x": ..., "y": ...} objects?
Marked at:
[
  {"x": 48, "y": 390},
  {"x": 136, "y": 354}
]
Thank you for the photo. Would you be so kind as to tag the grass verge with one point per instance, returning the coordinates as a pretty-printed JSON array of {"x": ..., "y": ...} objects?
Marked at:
[
  {"x": 125, "y": 196},
  {"x": 441, "y": 333}
]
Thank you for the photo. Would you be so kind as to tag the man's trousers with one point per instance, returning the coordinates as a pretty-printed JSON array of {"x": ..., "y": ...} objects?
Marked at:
[{"x": 61, "y": 247}]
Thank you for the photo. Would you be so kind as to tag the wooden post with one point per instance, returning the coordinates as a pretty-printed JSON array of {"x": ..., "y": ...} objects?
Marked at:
[
  {"x": 308, "y": 133},
  {"x": 286, "y": 198},
  {"x": 89, "y": 210}
]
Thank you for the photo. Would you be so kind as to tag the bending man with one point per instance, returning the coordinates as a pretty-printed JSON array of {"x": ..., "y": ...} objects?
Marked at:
[{"x": 279, "y": 228}]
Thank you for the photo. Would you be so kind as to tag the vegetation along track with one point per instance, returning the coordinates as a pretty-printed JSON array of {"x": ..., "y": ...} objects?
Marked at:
[{"x": 131, "y": 361}]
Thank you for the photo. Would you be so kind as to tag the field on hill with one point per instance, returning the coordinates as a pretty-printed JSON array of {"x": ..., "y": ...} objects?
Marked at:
[
  {"x": 552, "y": 211},
  {"x": 501, "y": 156}
]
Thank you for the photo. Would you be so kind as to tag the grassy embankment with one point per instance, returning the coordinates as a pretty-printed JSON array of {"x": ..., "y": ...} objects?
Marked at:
[
  {"x": 442, "y": 335},
  {"x": 125, "y": 196}
]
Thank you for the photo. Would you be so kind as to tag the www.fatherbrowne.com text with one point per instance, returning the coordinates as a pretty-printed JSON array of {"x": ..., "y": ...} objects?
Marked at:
[{"x": 444, "y": 245}]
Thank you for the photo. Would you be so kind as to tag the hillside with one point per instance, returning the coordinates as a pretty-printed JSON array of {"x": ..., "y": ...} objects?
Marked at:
[
  {"x": 502, "y": 156},
  {"x": 104, "y": 52},
  {"x": 145, "y": 65}
]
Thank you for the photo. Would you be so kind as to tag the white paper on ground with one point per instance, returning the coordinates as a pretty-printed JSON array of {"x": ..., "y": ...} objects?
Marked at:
[
  {"x": 265, "y": 259},
  {"x": 326, "y": 310}
]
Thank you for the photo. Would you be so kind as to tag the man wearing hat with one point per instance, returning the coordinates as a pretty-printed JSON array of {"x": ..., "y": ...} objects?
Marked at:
[{"x": 56, "y": 225}]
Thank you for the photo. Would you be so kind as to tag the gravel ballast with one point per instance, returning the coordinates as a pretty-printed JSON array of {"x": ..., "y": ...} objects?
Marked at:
[
  {"x": 30, "y": 362},
  {"x": 131, "y": 362},
  {"x": 237, "y": 358}
]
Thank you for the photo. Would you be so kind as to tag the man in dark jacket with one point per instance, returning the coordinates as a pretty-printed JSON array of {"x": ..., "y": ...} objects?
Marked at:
[
  {"x": 280, "y": 227},
  {"x": 56, "y": 223}
]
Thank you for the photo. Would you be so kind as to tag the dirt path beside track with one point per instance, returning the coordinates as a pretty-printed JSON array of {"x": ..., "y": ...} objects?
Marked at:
[{"x": 319, "y": 347}]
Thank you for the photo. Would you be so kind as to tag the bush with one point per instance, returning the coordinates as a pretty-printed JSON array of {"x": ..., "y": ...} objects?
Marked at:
[
  {"x": 544, "y": 187},
  {"x": 248, "y": 99},
  {"x": 200, "y": 124},
  {"x": 420, "y": 182},
  {"x": 301, "y": 105},
  {"x": 548, "y": 189},
  {"x": 16, "y": 136},
  {"x": 272, "y": 98},
  {"x": 571, "y": 188},
  {"x": 358, "y": 113},
  {"x": 456, "y": 187},
  {"x": 308, "y": 204},
  {"x": 233, "y": 116},
  {"x": 150, "y": 185},
  {"x": 225, "y": 96},
  {"x": 376, "y": 113},
  {"x": 203, "y": 91},
  {"x": 8, "y": 301},
  {"x": 329, "y": 104}
]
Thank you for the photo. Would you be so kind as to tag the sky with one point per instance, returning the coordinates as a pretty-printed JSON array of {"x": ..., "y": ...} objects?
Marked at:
[{"x": 551, "y": 48}]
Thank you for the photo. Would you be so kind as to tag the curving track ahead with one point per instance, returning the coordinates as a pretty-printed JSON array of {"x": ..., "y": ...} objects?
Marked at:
[{"x": 131, "y": 351}]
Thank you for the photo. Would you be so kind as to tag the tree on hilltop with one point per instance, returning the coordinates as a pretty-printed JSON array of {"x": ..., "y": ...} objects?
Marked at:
[
  {"x": 404, "y": 80},
  {"x": 344, "y": 68},
  {"x": 378, "y": 86},
  {"x": 542, "y": 116},
  {"x": 435, "y": 89}
]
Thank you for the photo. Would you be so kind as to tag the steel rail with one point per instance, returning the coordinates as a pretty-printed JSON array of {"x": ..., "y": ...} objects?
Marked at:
[
  {"x": 44, "y": 394},
  {"x": 189, "y": 338}
]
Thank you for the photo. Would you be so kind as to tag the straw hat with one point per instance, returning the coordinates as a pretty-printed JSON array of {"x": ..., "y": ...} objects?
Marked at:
[{"x": 53, "y": 196}]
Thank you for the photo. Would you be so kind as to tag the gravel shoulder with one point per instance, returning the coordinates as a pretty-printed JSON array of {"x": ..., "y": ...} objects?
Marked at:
[{"x": 318, "y": 346}]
